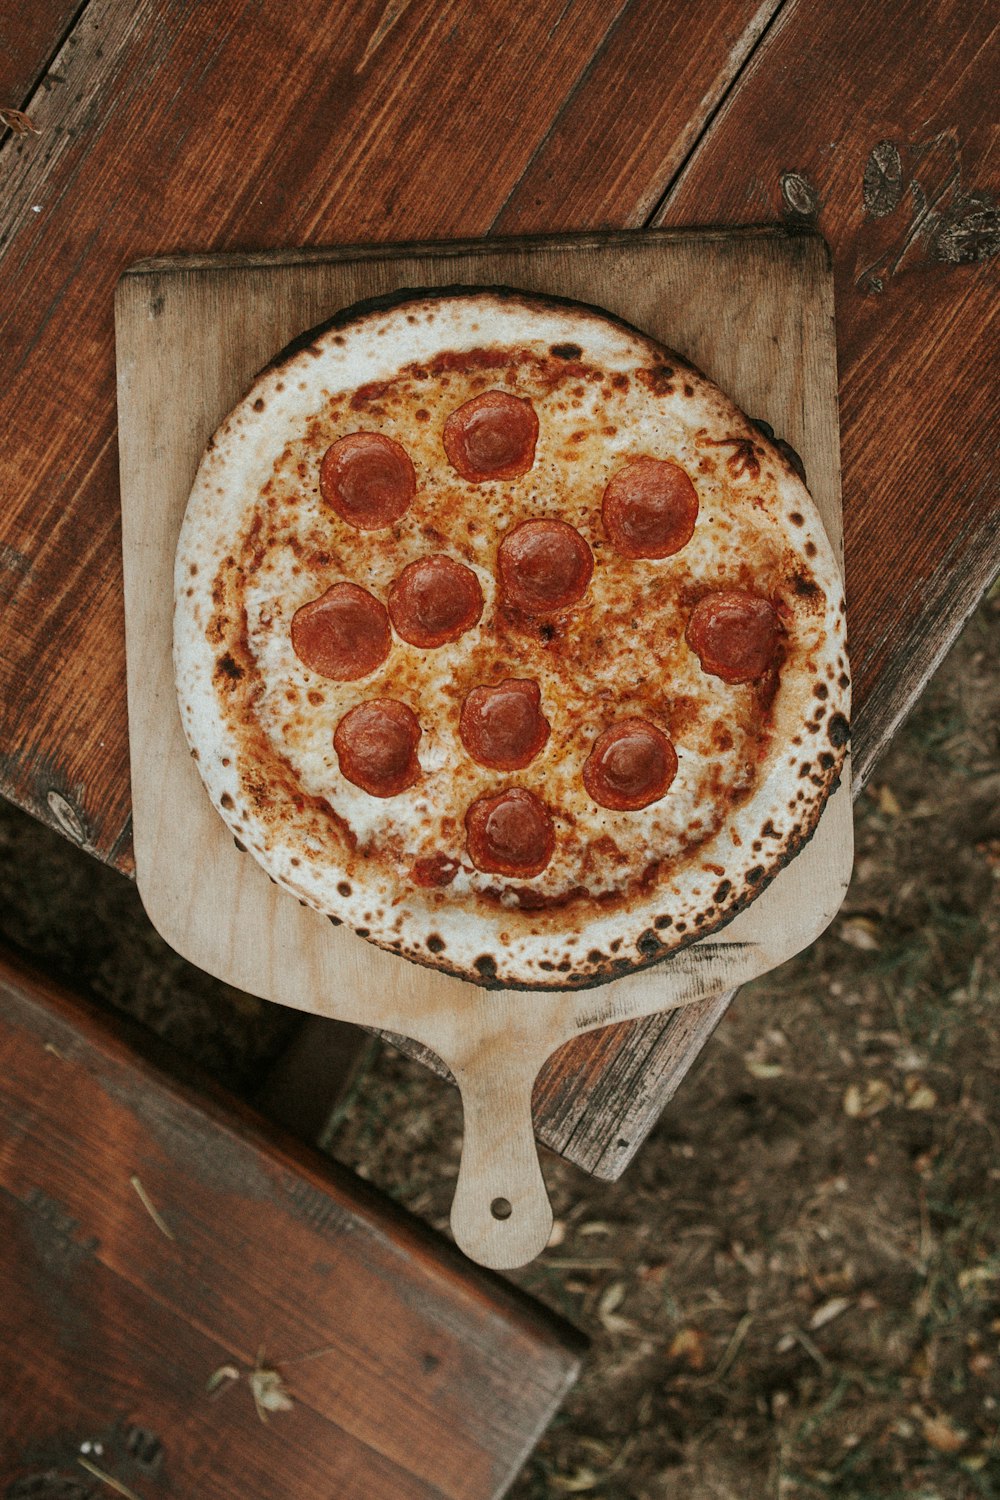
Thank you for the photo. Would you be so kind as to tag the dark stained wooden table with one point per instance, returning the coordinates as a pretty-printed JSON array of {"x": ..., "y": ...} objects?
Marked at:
[
  {"x": 152, "y": 1233},
  {"x": 154, "y": 126}
]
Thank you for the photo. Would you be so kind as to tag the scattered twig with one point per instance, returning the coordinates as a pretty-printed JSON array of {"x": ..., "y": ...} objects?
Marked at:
[
  {"x": 216, "y": 1382},
  {"x": 296, "y": 1359},
  {"x": 811, "y": 1349},
  {"x": 108, "y": 1479},
  {"x": 732, "y": 1349},
  {"x": 583, "y": 1265},
  {"x": 267, "y": 1386},
  {"x": 148, "y": 1205}
]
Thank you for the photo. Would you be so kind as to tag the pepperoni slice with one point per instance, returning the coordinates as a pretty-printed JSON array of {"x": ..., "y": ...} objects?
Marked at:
[
  {"x": 493, "y": 436},
  {"x": 631, "y": 765},
  {"x": 344, "y": 634},
  {"x": 435, "y": 600},
  {"x": 503, "y": 727},
  {"x": 376, "y": 743},
  {"x": 650, "y": 508},
  {"x": 368, "y": 479},
  {"x": 735, "y": 635},
  {"x": 510, "y": 833},
  {"x": 544, "y": 566}
]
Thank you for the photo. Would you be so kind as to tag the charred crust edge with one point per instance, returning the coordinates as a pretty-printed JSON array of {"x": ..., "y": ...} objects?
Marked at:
[
  {"x": 369, "y": 306},
  {"x": 484, "y": 972}
]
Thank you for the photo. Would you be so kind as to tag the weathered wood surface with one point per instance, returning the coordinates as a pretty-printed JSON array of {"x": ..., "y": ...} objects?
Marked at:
[
  {"x": 880, "y": 131},
  {"x": 801, "y": 139},
  {"x": 875, "y": 126},
  {"x": 633, "y": 117},
  {"x": 189, "y": 340},
  {"x": 378, "y": 101},
  {"x": 30, "y": 34},
  {"x": 424, "y": 1377},
  {"x": 167, "y": 127}
]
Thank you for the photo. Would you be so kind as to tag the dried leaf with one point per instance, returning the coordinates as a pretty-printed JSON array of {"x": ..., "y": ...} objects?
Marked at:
[
  {"x": 557, "y": 1234},
  {"x": 759, "y": 1069},
  {"x": 614, "y": 1324},
  {"x": 611, "y": 1298},
  {"x": 17, "y": 121},
  {"x": 866, "y": 1099},
  {"x": 576, "y": 1483},
  {"x": 67, "y": 817},
  {"x": 887, "y": 802},
  {"x": 595, "y": 1227},
  {"x": 882, "y": 185},
  {"x": 919, "y": 1095},
  {"x": 603, "y": 1452},
  {"x": 688, "y": 1344},
  {"x": 859, "y": 932},
  {"x": 828, "y": 1312},
  {"x": 942, "y": 1436},
  {"x": 268, "y": 1391}
]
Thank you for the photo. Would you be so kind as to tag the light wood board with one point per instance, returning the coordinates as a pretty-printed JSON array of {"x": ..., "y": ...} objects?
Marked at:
[{"x": 754, "y": 310}]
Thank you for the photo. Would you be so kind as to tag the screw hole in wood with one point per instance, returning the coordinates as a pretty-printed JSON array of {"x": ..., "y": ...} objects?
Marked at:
[{"x": 501, "y": 1208}]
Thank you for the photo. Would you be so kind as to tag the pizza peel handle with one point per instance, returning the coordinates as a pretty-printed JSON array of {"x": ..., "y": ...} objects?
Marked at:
[{"x": 501, "y": 1215}]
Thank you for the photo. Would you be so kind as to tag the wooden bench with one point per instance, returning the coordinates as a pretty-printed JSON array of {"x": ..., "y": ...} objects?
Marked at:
[{"x": 194, "y": 1305}]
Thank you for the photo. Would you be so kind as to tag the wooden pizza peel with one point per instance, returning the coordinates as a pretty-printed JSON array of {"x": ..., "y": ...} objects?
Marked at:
[{"x": 754, "y": 310}]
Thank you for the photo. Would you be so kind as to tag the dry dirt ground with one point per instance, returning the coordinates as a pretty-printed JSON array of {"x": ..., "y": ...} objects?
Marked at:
[{"x": 794, "y": 1292}]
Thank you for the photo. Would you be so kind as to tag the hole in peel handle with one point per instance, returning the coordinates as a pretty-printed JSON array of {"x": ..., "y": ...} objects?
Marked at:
[{"x": 501, "y": 1216}]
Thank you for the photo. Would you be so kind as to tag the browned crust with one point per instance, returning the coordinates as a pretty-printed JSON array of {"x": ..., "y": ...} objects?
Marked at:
[{"x": 650, "y": 948}]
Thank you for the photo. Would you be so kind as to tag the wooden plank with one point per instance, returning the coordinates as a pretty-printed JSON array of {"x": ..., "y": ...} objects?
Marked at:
[
  {"x": 415, "y": 91},
  {"x": 630, "y": 122},
  {"x": 153, "y": 137},
  {"x": 897, "y": 162},
  {"x": 433, "y": 1379},
  {"x": 29, "y": 36},
  {"x": 182, "y": 91},
  {"x": 922, "y": 523},
  {"x": 172, "y": 319}
]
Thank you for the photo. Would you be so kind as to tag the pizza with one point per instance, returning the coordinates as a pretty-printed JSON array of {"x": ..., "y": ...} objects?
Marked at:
[{"x": 504, "y": 637}]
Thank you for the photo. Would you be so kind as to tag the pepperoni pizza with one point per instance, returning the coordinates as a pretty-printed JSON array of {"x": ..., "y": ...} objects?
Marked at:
[{"x": 504, "y": 637}]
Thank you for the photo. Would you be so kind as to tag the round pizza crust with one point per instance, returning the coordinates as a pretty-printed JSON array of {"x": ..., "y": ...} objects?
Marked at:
[{"x": 624, "y": 889}]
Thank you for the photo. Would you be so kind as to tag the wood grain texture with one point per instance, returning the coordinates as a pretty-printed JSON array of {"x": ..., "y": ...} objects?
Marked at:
[
  {"x": 190, "y": 337},
  {"x": 29, "y": 35},
  {"x": 167, "y": 126},
  {"x": 634, "y": 115},
  {"x": 922, "y": 517},
  {"x": 897, "y": 162},
  {"x": 432, "y": 1379},
  {"x": 164, "y": 144}
]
